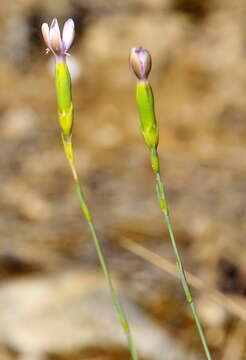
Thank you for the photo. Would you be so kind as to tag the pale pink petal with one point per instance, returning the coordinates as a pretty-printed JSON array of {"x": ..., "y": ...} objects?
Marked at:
[
  {"x": 68, "y": 34},
  {"x": 55, "y": 37},
  {"x": 46, "y": 33}
]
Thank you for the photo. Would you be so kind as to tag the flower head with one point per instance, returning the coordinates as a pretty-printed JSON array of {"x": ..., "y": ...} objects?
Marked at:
[
  {"x": 59, "y": 45},
  {"x": 140, "y": 62}
]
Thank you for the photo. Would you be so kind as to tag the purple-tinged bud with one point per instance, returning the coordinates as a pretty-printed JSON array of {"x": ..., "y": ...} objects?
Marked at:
[
  {"x": 140, "y": 62},
  {"x": 59, "y": 45}
]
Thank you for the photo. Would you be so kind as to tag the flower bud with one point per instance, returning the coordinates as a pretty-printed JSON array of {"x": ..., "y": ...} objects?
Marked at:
[
  {"x": 140, "y": 62},
  {"x": 59, "y": 46}
]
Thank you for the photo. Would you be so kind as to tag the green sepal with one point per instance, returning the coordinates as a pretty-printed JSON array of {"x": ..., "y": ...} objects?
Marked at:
[
  {"x": 64, "y": 98},
  {"x": 146, "y": 109}
]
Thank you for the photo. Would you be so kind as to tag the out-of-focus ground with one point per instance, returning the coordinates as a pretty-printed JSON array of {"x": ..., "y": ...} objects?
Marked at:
[{"x": 53, "y": 304}]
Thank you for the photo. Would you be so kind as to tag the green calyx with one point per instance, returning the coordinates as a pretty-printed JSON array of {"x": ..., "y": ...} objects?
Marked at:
[
  {"x": 146, "y": 109},
  {"x": 64, "y": 98}
]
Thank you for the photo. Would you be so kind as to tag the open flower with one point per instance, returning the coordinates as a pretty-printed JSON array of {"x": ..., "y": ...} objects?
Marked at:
[
  {"x": 140, "y": 62},
  {"x": 59, "y": 45}
]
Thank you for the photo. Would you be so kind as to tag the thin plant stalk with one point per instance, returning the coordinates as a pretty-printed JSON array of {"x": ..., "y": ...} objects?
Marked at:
[
  {"x": 68, "y": 148},
  {"x": 59, "y": 46},
  {"x": 140, "y": 65},
  {"x": 165, "y": 211}
]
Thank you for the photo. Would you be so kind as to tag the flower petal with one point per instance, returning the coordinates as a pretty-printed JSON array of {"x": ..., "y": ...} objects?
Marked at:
[
  {"x": 68, "y": 34},
  {"x": 46, "y": 33},
  {"x": 55, "y": 37}
]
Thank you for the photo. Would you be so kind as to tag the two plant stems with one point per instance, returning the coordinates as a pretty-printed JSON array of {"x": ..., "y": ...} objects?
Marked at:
[
  {"x": 68, "y": 148},
  {"x": 165, "y": 211}
]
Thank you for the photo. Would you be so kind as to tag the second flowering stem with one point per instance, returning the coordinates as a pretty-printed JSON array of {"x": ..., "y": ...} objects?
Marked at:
[
  {"x": 140, "y": 65},
  {"x": 165, "y": 211}
]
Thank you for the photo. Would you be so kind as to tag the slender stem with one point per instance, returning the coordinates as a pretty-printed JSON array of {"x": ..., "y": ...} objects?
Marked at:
[
  {"x": 86, "y": 212},
  {"x": 164, "y": 208}
]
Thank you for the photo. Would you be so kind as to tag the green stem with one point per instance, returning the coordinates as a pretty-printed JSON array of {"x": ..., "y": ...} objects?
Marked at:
[
  {"x": 86, "y": 212},
  {"x": 164, "y": 208}
]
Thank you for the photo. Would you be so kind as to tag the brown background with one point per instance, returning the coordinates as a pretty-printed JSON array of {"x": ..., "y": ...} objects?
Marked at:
[{"x": 199, "y": 81}]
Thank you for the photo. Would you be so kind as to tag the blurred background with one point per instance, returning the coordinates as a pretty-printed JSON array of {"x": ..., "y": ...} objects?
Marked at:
[{"x": 53, "y": 301}]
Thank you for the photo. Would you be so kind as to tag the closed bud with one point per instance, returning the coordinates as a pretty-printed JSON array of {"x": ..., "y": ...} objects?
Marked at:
[{"x": 140, "y": 62}]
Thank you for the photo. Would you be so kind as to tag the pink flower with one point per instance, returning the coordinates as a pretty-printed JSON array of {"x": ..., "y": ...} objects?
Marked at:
[{"x": 59, "y": 45}]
